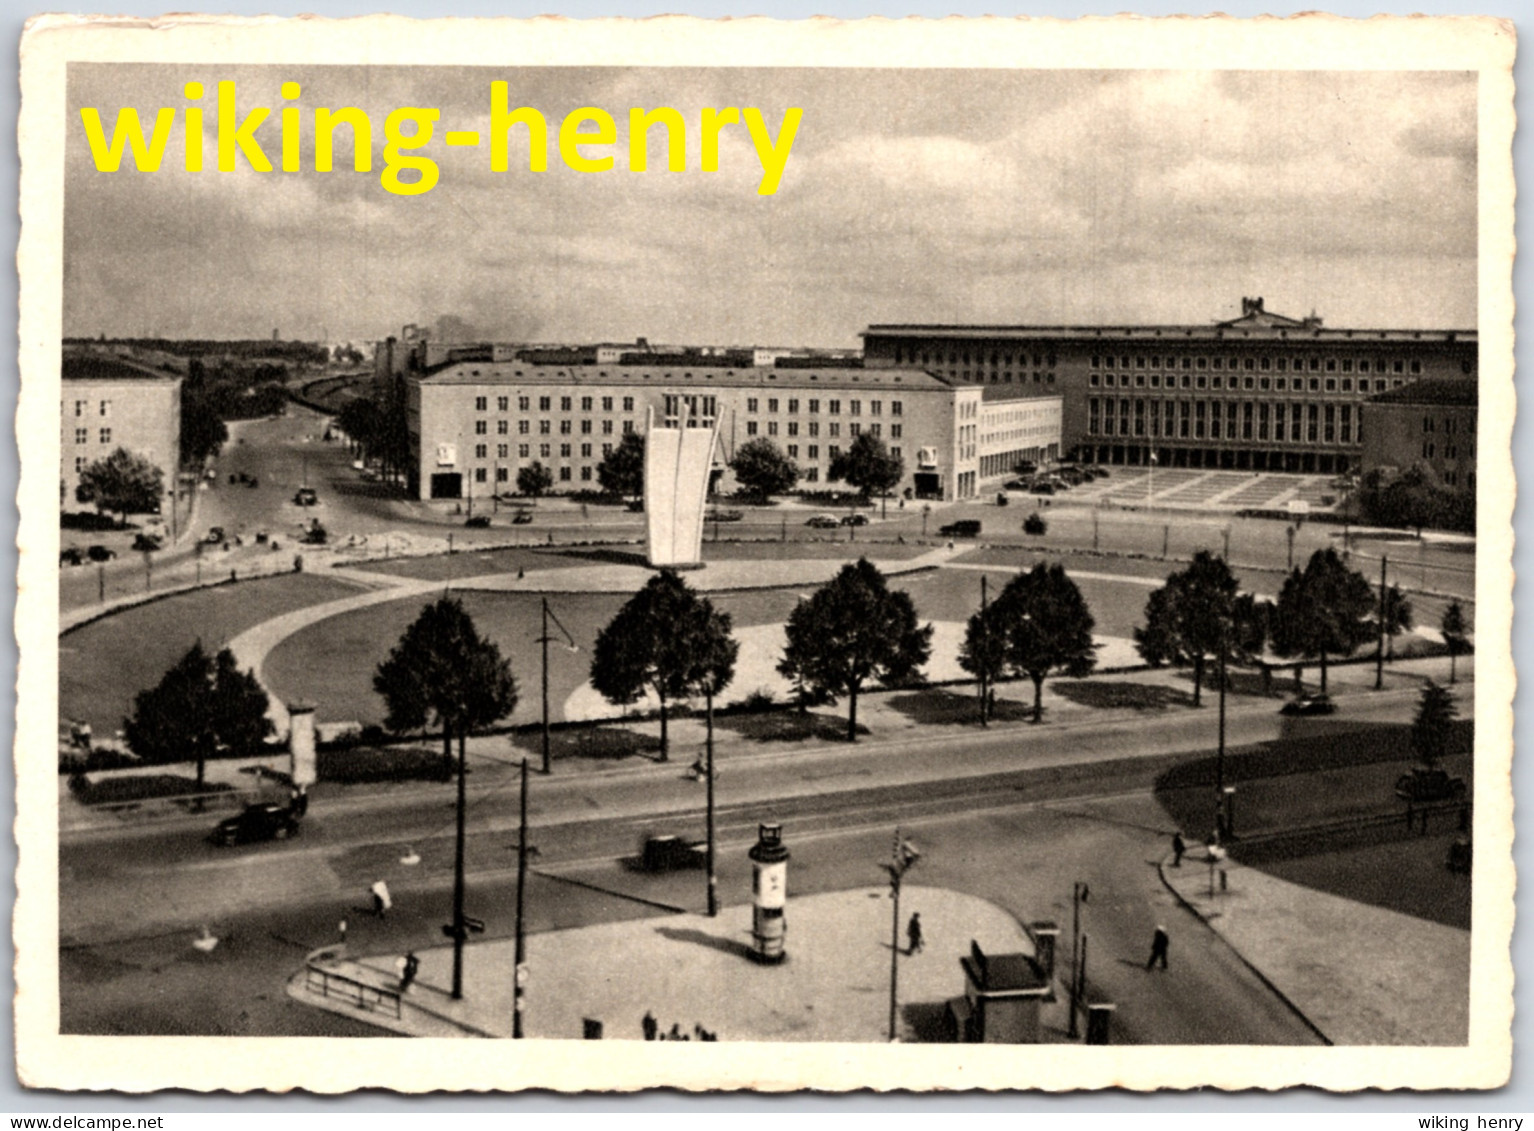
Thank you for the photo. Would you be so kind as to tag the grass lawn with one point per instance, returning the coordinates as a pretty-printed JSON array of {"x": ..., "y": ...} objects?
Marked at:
[{"x": 102, "y": 665}]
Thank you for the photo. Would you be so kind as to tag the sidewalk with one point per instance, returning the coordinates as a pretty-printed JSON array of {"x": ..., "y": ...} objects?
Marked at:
[
  {"x": 692, "y": 970},
  {"x": 1362, "y": 974}
]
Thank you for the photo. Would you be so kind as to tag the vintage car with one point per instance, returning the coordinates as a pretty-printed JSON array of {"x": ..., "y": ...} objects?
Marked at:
[
  {"x": 265, "y": 821},
  {"x": 1318, "y": 704},
  {"x": 964, "y": 528}
]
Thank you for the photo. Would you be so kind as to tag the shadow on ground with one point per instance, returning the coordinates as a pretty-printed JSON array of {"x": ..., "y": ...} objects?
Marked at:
[
  {"x": 787, "y": 726},
  {"x": 942, "y": 707},
  {"x": 729, "y": 946},
  {"x": 1121, "y": 694},
  {"x": 386, "y": 763},
  {"x": 603, "y": 744}
]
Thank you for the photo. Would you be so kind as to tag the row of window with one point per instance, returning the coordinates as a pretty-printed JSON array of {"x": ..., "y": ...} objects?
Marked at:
[
  {"x": 833, "y": 407},
  {"x": 1451, "y": 450},
  {"x": 910, "y": 356},
  {"x": 83, "y": 435},
  {"x": 1450, "y": 425},
  {"x": 566, "y": 473},
  {"x": 546, "y": 427},
  {"x": 82, "y": 408},
  {"x": 833, "y": 429},
  {"x": 1261, "y": 384},
  {"x": 1279, "y": 364},
  {"x": 545, "y": 404},
  {"x": 1246, "y": 420}
]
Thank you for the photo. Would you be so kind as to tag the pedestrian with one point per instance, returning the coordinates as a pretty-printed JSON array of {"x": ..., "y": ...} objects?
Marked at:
[
  {"x": 1159, "y": 942},
  {"x": 913, "y": 933},
  {"x": 342, "y": 929},
  {"x": 1179, "y": 846},
  {"x": 381, "y": 900},
  {"x": 650, "y": 1026},
  {"x": 676, "y": 1032},
  {"x": 410, "y": 966}
]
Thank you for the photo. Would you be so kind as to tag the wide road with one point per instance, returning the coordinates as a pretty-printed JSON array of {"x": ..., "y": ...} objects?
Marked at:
[{"x": 1019, "y": 835}]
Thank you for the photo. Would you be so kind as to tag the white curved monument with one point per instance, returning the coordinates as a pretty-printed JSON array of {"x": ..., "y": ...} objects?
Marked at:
[{"x": 677, "y": 464}]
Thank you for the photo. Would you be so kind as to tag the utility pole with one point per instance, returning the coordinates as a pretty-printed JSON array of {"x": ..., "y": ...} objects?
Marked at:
[
  {"x": 101, "y": 582},
  {"x": 713, "y": 877},
  {"x": 1289, "y": 530},
  {"x": 1219, "y": 772},
  {"x": 1379, "y": 650},
  {"x": 544, "y": 640},
  {"x": 459, "y": 929},
  {"x": 1079, "y": 894},
  {"x": 904, "y": 857},
  {"x": 520, "y": 954},
  {"x": 148, "y": 571}
]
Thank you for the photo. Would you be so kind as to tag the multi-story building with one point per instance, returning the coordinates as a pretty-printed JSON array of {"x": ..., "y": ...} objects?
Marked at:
[
  {"x": 474, "y": 424},
  {"x": 108, "y": 404},
  {"x": 1430, "y": 422},
  {"x": 1259, "y": 392}
]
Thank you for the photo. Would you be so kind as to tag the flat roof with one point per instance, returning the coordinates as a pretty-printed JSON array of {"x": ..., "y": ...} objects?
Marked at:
[
  {"x": 96, "y": 367},
  {"x": 1433, "y": 391},
  {"x": 1215, "y": 333},
  {"x": 883, "y": 379}
]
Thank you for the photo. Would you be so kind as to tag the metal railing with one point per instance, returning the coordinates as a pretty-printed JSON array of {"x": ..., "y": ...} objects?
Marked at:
[{"x": 335, "y": 985}]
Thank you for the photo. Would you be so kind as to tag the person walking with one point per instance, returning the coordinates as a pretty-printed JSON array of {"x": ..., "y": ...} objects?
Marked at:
[
  {"x": 1159, "y": 943},
  {"x": 650, "y": 1026},
  {"x": 1179, "y": 846},
  {"x": 913, "y": 934},
  {"x": 343, "y": 932},
  {"x": 410, "y": 966},
  {"x": 381, "y": 900}
]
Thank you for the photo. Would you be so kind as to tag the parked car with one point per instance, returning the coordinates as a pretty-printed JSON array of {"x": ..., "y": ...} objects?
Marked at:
[
  {"x": 1423, "y": 784},
  {"x": 663, "y": 852},
  {"x": 854, "y": 520},
  {"x": 1318, "y": 704},
  {"x": 71, "y": 556},
  {"x": 522, "y": 518},
  {"x": 964, "y": 528},
  {"x": 822, "y": 522},
  {"x": 265, "y": 821},
  {"x": 478, "y": 521},
  {"x": 1042, "y": 489},
  {"x": 144, "y": 543},
  {"x": 100, "y": 553},
  {"x": 725, "y": 516},
  {"x": 214, "y": 536},
  {"x": 305, "y": 497},
  {"x": 1025, "y": 467},
  {"x": 1016, "y": 485}
]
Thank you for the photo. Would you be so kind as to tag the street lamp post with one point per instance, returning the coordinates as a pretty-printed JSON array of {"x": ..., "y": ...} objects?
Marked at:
[
  {"x": 459, "y": 930},
  {"x": 1079, "y": 893},
  {"x": 1379, "y": 650},
  {"x": 904, "y": 858},
  {"x": 985, "y": 701},
  {"x": 713, "y": 875},
  {"x": 520, "y": 953},
  {"x": 543, "y": 639}
]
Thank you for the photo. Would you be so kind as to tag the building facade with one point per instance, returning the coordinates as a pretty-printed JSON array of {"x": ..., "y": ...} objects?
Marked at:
[
  {"x": 1432, "y": 423},
  {"x": 473, "y": 425},
  {"x": 1262, "y": 392},
  {"x": 108, "y": 404}
]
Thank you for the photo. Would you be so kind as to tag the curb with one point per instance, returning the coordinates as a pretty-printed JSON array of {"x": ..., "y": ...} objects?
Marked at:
[{"x": 1261, "y": 977}]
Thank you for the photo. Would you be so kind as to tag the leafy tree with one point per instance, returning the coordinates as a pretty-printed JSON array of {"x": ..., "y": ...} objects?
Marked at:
[
  {"x": 534, "y": 480},
  {"x": 203, "y": 433},
  {"x": 1325, "y": 610},
  {"x": 868, "y": 466},
  {"x": 1397, "y": 618},
  {"x": 621, "y": 471},
  {"x": 763, "y": 469},
  {"x": 121, "y": 482},
  {"x": 1456, "y": 635},
  {"x": 442, "y": 673},
  {"x": 1433, "y": 725},
  {"x": 852, "y": 631},
  {"x": 1034, "y": 524},
  {"x": 202, "y": 706},
  {"x": 362, "y": 422},
  {"x": 668, "y": 640},
  {"x": 1047, "y": 627},
  {"x": 1188, "y": 620},
  {"x": 984, "y": 652}
]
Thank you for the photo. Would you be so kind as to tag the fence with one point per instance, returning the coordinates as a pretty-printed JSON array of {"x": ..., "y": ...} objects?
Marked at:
[{"x": 341, "y": 987}]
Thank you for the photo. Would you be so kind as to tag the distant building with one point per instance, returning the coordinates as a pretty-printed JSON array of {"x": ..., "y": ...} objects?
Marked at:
[
  {"x": 1430, "y": 422},
  {"x": 1261, "y": 392},
  {"x": 109, "y": 403},
  {"x": 473, "y": 424}
]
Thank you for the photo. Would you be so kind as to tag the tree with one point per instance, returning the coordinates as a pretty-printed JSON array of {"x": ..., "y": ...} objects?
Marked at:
[
  {"x": 442, "y": 673},
  {"x": 868, "y": 466},
  {"x": 1397, "y": 617},
  {"x": 763, "y": 469},
  {"x": 201, "y": 707},
  {"x": 1326, "y": 610},
  {"x": 621, "y": 471},
  {"x": 1456, "y": 636},
  {"x": 852, "y": 631},
  {"x": 534, "y": 480},
  {"x": 203, "y": 433},
  {"x": 1188, "y": 620},
  {"x": 984, "y": 652},
  {"x": 1047, "y": 627},
  {"x": 1433, "y": 725},
  {"x": 667, "y": 640},
  {"x": 122, "y": 482}
]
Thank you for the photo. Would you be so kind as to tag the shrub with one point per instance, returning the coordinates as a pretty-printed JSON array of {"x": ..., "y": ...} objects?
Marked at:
[{"x": 1035, "y": 524}]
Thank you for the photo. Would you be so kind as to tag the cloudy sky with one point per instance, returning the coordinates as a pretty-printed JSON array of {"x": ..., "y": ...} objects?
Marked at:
[{"x": 938, "y": 195}]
